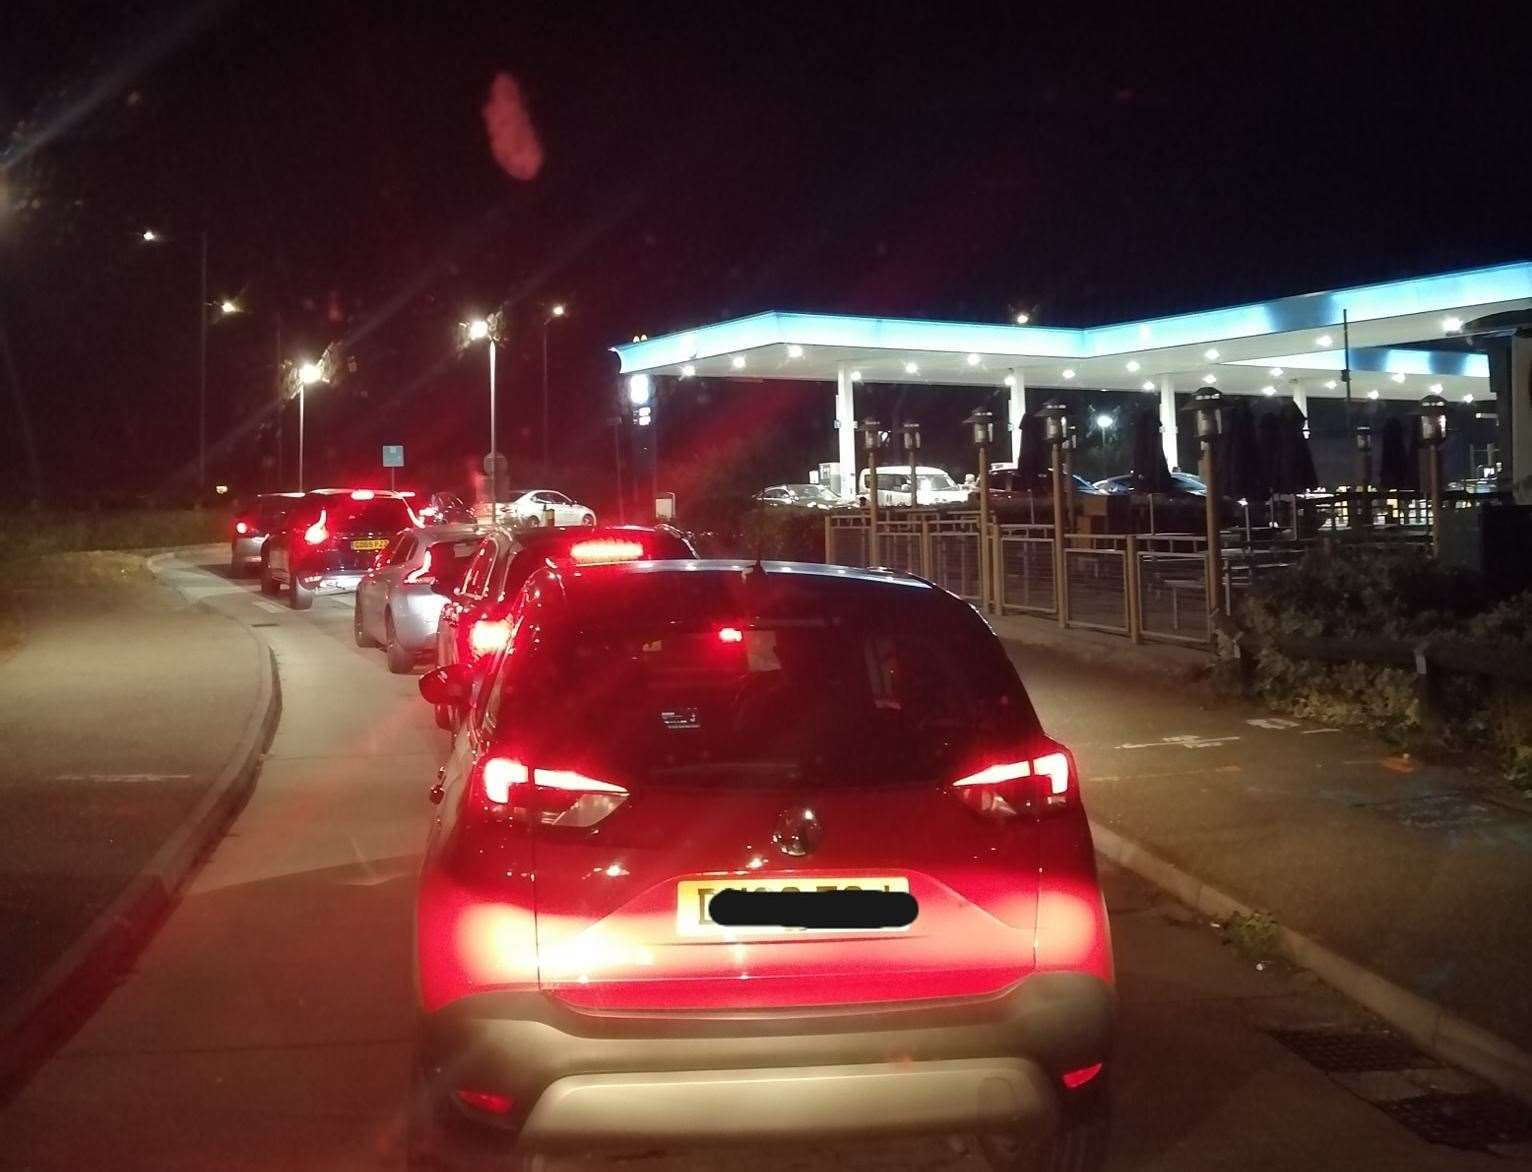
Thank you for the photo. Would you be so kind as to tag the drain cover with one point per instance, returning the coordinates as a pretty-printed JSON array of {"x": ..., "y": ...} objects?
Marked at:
[
  {"x": 1464, "y": 1121},
  {"x": 1354, "y": 1050}
]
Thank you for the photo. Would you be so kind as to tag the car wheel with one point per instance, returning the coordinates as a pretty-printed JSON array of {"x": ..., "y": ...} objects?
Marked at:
[
  {"x": 299, "y": 596},
  {"x": 1079, "y": 1145},
  {"x": 400, "y": 661},
  {"x": 588, "y": 519},
  {"x": 269, "y": 584},
  {"x": 435, "y": 1139},
  {"x": 358, "y": 632}
]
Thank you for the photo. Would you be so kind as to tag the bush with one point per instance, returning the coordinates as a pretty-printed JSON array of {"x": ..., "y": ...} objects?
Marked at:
[
  {"x": 1404, "y": 594},
  {"x": 37, "y": 533}
]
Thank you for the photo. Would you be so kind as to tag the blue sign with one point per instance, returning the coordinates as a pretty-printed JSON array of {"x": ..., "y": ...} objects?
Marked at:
[{"x": 393, "y": 455}]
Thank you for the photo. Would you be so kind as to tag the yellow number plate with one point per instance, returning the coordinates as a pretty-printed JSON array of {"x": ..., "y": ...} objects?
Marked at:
[
  {"x": 370, "y": 543},
  {"x": 692, "y": 896}
]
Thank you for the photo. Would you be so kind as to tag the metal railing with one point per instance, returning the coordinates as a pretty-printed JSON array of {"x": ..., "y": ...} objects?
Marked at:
[
  {"x": 1024, "y": 577},
  {"x": 1171, "y": 587},
  {"x": 1096, "y": 582}
]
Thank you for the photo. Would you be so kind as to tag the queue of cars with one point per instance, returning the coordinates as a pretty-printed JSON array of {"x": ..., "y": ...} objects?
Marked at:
[{"x": 724, "y": 851}]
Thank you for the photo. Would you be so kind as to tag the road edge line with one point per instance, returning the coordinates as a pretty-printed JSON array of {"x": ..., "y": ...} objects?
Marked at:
[
  {"x": 1431, "y": 1026},
  {"x": 69, "y": 990}
]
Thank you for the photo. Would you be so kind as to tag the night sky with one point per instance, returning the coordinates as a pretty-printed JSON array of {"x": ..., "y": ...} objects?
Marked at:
[{"x": 701, "y": 162}]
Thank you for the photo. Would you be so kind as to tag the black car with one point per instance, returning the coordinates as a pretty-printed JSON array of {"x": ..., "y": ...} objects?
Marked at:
[
  {"x": 253, "y": 523},
  {"x": 329, "y": 540},
  {"x": 799, "y": 496}
]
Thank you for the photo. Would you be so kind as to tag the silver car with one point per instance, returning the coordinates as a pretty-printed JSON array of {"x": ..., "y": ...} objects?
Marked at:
[{"x": 396, "y": 609}]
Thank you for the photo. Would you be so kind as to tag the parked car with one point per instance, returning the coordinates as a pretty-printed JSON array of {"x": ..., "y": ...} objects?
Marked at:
[
  {"x": 1182, "y": 484},
  {"x": 934, "y": 486},
  {"x": 799, "y": 496},
  {"x": 658, "y": 733},
  {"x": 474, "y": 621},
  {"x": 253, "y": 524},
  {"x": 1007, "y": 486},
  {"x": 329, "y": 540},
  {"x": 396, "y": 607},
  {"x": 444, "y": 508},
  {"x": 531, "y": 506}
]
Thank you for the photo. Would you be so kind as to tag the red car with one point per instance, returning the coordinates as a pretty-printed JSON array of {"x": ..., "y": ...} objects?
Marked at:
[
  {"x": 657, "y": 733},
  {"x": 473, "y": 622}
]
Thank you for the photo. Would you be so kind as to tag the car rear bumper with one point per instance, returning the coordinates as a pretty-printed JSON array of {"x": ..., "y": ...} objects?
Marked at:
[
  {"x": 327, "y": 580},
  {"x": 247, "y": 549},
  {"x": 583, "y": 1080},
  {"x": 416, "y": 610}
]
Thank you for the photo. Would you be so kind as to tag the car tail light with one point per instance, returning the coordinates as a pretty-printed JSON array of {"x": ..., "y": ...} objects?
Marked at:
[
  {"x": 605, "y": 549},
  {"x": 317, "y": 534},
  {"x": 555, "y": 797},
  {"x": 1078, "y": 1078},
  {"x": 490, "y": 1102},
  {"x": 488, "y": 635},
  {"x": 423, "y": 573},
  {"x": 730, "y": 635},
  {"x": 363, "y": 494},
  {"x": 1032, "y": 785},
  {"x": 241, "y": 527}
]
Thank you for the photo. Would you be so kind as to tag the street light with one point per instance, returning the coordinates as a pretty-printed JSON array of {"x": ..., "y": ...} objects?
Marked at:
[
  {"x": 1432, "y": 421},
  {"x": 482, "y": 329},
  {"x": 910, "y": 434},
  {"x": 149, "y": 236},
  {"x": 1055, "y": 417},
  {"x": 872, "y": 440},
  {"x": 981, "y": 429},
  {"x": 1207, "y": 405},
  {"x": 309, "y": 373},
  {"x": 228, "y": 307},
  {"x": 1104, "y": 421},
  {"x": 555, "y": 312}
]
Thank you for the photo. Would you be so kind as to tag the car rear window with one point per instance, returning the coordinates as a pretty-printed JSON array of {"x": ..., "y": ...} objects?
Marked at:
[
  {"x": 696, "y": 681},
  {"x": 379, "y": 515},
  {"x": 269, "y": 514}
]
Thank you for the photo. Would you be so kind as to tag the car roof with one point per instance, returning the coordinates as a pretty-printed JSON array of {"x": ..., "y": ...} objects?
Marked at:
[
  {"x": 854, "y": 576},
  {"x": 384, "y": 493},
  {"x": 280, "y": 496},
  {"x": 446, "y": 532}
]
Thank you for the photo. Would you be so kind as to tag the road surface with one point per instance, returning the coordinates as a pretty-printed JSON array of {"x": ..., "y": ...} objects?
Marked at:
[{"x": 267, "y": 1025}]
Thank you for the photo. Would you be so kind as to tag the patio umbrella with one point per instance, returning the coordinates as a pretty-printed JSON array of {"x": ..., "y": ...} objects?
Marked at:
[
  {"x": 1396, "y": 468},
  {"x": 1035, "y": 462},
  {"x": 1150, "y": 472},
  {"x": 1295, "y": 463},
  {"x": 1242, "y": 472}
]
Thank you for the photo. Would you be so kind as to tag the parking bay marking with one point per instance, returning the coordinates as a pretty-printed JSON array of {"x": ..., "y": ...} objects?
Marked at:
[{"x": 1183, "y": 741}]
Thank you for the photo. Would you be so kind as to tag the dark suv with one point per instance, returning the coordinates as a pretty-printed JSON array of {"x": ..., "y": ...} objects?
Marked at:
[
  {"x": 329, "y": 540},
  {"x": 914, "y": 938}
]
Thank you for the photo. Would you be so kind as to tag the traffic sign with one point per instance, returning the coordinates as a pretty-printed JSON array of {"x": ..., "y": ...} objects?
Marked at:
[
  {"x": 494, "y": 459},
  {"x": 393, "y": 455}
]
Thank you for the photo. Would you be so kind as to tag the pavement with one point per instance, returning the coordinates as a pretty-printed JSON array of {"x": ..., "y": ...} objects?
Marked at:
[
  {"x": 268, "y": 1023},
  {"x": 1414, "y": 873},
  {"x": 127, "y": 724}
]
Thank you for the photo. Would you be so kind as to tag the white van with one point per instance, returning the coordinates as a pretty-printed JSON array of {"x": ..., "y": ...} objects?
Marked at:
[{"x": 933, "y": 486}]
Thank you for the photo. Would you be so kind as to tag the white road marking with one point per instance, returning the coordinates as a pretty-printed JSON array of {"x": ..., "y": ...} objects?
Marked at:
[
  {"x": 1277, "y": 723},
  {"x": 1309, "y": 732},
  {"x": 1183, "y": 741}
]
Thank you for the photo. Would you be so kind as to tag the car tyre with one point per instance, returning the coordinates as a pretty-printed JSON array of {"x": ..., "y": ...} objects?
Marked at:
[
  {"x": 299, "y": 596},
  {"x": 359, "y": 632},
  {"x": 588, "y": 519},
  {"x": 269, "y": 584},
  {"x": 400, "y": 661},
  {"x": 1079, "y": 1145}
]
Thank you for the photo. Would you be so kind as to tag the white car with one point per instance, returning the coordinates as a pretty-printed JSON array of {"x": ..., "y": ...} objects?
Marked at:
[
  {"x": 533, "y": 506},
  {"x": 935, "y": 487}
]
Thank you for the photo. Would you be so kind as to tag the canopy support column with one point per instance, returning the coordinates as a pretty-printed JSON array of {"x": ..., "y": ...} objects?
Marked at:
[
  {"x": 1169, "y": 437},
  {"x": 845, "y": 436},
  {"x": 1016, "y": 410}
]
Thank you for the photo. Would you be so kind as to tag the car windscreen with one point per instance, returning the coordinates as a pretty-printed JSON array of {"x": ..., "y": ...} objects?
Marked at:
[
  {"x": 936, "y": 482},
  {"x": 675, "y": 684},
  {"x": 378, "y": 515},
  {"x": 584, "y": 546},
  {"x": 811, "y": 492}
]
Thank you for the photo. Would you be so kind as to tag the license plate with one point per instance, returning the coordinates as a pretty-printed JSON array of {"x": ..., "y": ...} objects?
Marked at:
[
  {"x": 370, "y": 543},
  {"x": 692, "y": 896}
]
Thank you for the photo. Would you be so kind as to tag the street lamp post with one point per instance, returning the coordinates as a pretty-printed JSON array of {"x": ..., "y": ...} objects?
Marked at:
[
  {"x": 309, "y": 373},
  {"x": 982, "y": 423},
  {"x": 909, "y": 434},
  {"x": 1364, "y": 474},
  {"x": 482, "y": 330},
  {"x": 1207, "y": 403},
  {"x": 1055, "y": 417},
  {"x": 554, "y": 312},
  {"x": 1433, "y": 433},
  {"x": 872, "y": 438},
  {"x": 202, "y": 308}
]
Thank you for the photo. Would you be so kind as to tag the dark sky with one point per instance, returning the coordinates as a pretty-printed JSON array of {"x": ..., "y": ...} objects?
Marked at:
[{"x": 702, "y": 162}]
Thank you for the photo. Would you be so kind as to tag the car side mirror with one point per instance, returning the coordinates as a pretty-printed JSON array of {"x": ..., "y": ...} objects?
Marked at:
[{"x": 452, "y": 684}]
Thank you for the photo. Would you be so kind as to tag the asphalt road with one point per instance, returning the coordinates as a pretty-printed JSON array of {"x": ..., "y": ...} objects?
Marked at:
[{"x": 267, "y": 1025}]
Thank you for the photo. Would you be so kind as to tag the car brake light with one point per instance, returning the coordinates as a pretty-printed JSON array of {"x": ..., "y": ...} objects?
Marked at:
[
  {"x": 1010, "y": 788},
  {"x": 561, "y": 797},
  {"x": 1078, "y": 1078},
  {"x": 362, "y": 494},
  {"x": 730, "y": 635},
  {"x": 605, "y": 549},
  {"x": 487, "y": 1101},
  {"x": 317, "y": 534},
  {"x": 241, "y": 527},
  {"x": 423, "y": 573},
  {"x": 488, "y": 635}
]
